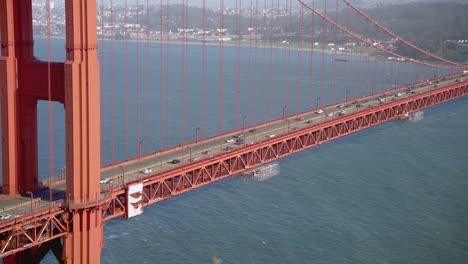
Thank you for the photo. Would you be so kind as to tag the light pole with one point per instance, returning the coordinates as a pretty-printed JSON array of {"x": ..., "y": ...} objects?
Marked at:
[
  {"x": 288, "y": 125},
  {"x": 284, "y": 108},
  {"x": 139, "y": 148},
  {"x": 243, "y": 124},
  {"x": 318, "y": 98},
  {"x": 347, "y": 92},
  {"x": 32, "y": 199},
  {"x": 123, "y": 173},
  {"x": 190, "y": 149},
  {"x": 196, "y": 134}
]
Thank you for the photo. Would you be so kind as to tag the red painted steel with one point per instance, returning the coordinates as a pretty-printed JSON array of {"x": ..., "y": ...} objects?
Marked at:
[
  {"x": 74, "y": 83},
  {"x": 19, "y": 119},
  {"x": 30, "y": 231},
  {"x": 84, "y": 242}
]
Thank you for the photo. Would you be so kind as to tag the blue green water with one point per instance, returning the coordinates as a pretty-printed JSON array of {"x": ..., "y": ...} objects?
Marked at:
[{"x": 395, "y": 193}]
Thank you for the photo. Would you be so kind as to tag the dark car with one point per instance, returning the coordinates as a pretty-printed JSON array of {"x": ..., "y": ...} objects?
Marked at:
[{"x": 175, "y": 161}]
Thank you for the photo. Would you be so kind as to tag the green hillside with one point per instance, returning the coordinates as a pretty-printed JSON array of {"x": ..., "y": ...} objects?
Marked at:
[{"x": 428, "y": 26}]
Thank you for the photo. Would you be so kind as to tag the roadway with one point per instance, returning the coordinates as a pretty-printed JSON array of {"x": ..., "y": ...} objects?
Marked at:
[{"x": 160, "y": 161}]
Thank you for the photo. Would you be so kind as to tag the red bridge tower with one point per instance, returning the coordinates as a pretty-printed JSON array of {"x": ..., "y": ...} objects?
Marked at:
[{"x": 74, "y": 83}]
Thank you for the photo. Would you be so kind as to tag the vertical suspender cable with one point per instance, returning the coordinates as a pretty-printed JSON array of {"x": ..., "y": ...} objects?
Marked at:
[
  {"x": 185, "y": 130},
  {"x": 183, "y": 73},
  {"x": 237, "y": 112},
  {"x": 384, "y": 64},
  {"x": 270, "y": 85},
  {"x": 276, "y": 84},
  {"x": 221, "y": 65},
  {"x": 112, "y": 78},
  {"x": 255, "y": 65},
  {"x": 376, "y": 64},
  {"x": 138, "y": 78},
  {"x": 285, "y": 69},
  {"x": 50, "y": 106},
  {"x": 288, "y": 52},
  {"x": 236, "y": 73},
  {"x": 333, "y": 78},
  {"x": 311, "y": 70},
  {"x": 161, "y": 75},
  {"x": 126, "y": 80},
  {"x": 368, "y": 59},
  {"x": 147, "y": 95},
  {"x": 299, "y": 63},
  {"x": 324, "y": 28},
  {"x": 203, "y": 126},
  {"x": 264, "y": 63},
  {"x": 251, "y": 32},
  {"x": 168, "y": 73},
  {"x": 103, "y": 87},
  {"x": 343, "y": 84}
]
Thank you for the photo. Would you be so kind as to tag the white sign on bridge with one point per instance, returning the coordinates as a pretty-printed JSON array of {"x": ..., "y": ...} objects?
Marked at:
[{"x": 134, "y": 200}]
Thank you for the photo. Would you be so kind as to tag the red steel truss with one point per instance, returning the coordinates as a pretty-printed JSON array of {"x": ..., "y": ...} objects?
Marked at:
[
  {"x": 31, "y": 230},
  {"x": 185, "y": 178},
  {"x": 42, "y": 227}
]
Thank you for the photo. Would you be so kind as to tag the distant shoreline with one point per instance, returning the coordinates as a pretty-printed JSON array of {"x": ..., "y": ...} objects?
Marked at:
[{"x": 230, "y": 44}]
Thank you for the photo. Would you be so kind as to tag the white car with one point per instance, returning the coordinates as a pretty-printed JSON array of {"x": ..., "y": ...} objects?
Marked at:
[
  {"x": 319, "y": 111},
  {"x": 194, "y": 158},
  {"x": 398, "y": 95},
  {"x": 381, "y": 100},
  {"x": 270, "y": 135},
  {"x": 229, "y": 140},
  {"x": 341, "y": 106},
  {"x": 240, "y": 136},
  {"x": 146, "y": 171},
  {"x": 343, "y": 112},
  {"x": 5, "y": 217},
  {"x": 330, "y": 114},
  {"x": 104, "y": 181}
]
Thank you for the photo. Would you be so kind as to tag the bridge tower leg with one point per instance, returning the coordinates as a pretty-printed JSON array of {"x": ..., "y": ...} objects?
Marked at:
[
  {"x": 19, "y": 110},
  {"x": 82, "y": 122}
]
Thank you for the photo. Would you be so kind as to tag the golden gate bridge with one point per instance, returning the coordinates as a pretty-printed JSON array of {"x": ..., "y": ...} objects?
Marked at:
[{"x": 66, "y": 214}]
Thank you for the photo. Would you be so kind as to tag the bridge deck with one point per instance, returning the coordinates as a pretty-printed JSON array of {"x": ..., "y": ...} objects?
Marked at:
[
  {"x": 28, "y": 221},
  {"x": 112, "y": 175}
]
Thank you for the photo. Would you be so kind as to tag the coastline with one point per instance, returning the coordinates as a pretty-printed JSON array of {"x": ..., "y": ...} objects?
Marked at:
[{"x": 267, "y": 45}]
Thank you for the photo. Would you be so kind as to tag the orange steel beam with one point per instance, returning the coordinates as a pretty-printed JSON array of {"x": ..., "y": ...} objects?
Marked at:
[
  {"x": 19, "y": 120},
  {"x": 23, "y": 81},
  {"x": 187, "y": 177},
  {"x": 29, "y": 231},
  {"x": 75, "y": 83}
]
